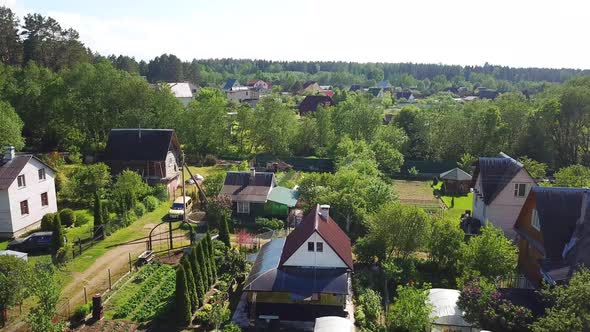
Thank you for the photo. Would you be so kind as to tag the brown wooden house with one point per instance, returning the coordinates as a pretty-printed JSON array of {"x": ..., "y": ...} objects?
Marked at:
[
  {"x": 152, "y": 153},
  {"x": 550, "y": 236},
  {"x": 456, "y": 181}
]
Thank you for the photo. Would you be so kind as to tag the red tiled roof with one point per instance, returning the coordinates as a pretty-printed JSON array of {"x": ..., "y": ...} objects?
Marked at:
[
  {"x": 328, "y": 93},
  {"x": 327, "y": 229}
]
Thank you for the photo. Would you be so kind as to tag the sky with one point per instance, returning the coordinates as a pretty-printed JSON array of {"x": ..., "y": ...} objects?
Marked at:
[{"x": 518, "y": 33}]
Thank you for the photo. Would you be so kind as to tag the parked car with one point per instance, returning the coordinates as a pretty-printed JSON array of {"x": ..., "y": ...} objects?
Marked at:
[
  {"x": 177, "y": 208},
  {"x": 36, "y": 242}
]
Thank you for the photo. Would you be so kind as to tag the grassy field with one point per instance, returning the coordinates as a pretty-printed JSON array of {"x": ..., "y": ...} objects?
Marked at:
[
  {"x": 289, "y": 179},
  {"x": 134, "y": 231},
  {"x": 205, "y": 171},
  {"x": 456, "y": 204},
  {"x": 417, "y": 193}
]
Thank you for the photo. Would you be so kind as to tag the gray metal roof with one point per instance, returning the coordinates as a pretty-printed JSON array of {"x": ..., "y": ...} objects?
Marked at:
[{"x": 455, "y": 174}]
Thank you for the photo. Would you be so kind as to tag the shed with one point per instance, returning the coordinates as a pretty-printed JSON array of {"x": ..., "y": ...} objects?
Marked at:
[
  {"x": 281, "y": 200},
  {"x": 18, "y": 254},
  {"x": 446, "y": 315},
  {"x": 456, "y": 181}
]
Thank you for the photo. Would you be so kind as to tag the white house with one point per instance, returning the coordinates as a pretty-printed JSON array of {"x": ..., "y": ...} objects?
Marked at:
[
  {"x": 243, "y": 94},
  {"x": 185, "y": 92},
  {"x": 501, "y": 187},
  {"x": 27, "y": 193}
]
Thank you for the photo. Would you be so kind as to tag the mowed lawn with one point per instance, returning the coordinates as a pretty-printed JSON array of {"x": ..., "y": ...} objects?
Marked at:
[
  {"x": 456, "y": 204},
  {"x": 418, "y": 193}
]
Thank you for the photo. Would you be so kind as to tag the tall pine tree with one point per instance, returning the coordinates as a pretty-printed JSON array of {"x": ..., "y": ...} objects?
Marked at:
[
  {"x": 182, "y": 299},
  {"x": 58, "y": 234},
  {"x": 190, "y": 281},
  {"x": 198, "y": 276},
  {"x": 211, "y": 255},
  {"x": 224, "y": 232},
  {"x": 204, "y": 266}
]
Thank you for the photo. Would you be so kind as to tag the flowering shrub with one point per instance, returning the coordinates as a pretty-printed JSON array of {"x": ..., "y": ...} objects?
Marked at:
[{"x": 488, "y": 309}]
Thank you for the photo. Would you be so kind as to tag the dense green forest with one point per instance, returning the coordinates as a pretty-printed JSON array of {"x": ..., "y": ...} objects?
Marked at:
[{"x": 56, "y": 94}]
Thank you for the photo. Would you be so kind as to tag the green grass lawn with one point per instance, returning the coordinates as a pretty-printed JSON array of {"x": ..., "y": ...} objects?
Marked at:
[
  {"x": 456, "y": 204},
  {"x": 289, "y": 179},
  {"x": 4, "y": 244},
  {"x": 134, "y": 231},
  {"x": 205, "y": 171}
]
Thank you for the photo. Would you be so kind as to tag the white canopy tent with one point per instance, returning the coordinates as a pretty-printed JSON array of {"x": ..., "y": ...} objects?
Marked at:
[
  {"x": 446, "y": 314},
  {"x": 332, "y": 324}
]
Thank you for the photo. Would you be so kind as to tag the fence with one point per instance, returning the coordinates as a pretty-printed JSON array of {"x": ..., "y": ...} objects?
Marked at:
[{"x": 514, "y": 281}]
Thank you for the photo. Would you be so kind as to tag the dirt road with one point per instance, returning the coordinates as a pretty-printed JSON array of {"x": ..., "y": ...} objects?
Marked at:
[{"x": 96, "y": 277}]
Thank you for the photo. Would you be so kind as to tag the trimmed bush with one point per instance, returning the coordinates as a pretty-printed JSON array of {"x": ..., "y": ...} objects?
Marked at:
[
  {"x": 57, "y": 237},
  {"x": 139, "y": 209},
  {"x": 161, "y": 192},
  {"x": 47, "y": 222},
  {"x": 82, "y": 218},
  {"x": 151, "y": 203},
  {"x": 210, "y": 160},
  {"x": 231, "y": 327},
  {"x": 274, "y": 224},
  {"x": 68, "y": 217},
  {"x": 129, "y": 218},
  {"x": 81, "y": 312}
]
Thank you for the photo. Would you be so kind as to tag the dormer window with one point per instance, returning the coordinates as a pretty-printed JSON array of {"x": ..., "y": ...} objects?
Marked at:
[
  {"x": 21, "y": 181},
  {"x": 310, "y": 246},
  {"x": 519, "y": 189}
]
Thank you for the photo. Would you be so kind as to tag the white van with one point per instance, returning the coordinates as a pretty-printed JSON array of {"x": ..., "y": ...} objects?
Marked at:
[{"x": 177, "y": 209}]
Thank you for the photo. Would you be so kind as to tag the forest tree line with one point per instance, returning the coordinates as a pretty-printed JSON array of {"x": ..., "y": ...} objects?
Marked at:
[{"x": 55, "y": 94}]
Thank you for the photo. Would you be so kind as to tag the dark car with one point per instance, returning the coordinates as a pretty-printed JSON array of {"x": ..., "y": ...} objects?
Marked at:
[{"x": 36, "y": 242}]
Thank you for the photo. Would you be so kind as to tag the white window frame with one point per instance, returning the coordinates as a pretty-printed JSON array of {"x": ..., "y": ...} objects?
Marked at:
[
  {"x": 535, "y": 220},
  {"x": 517, "y": 187},
  {"x": 21, "y": 181},
  {"x": 42, "y": 174},
  {"x": 243, "y": 207},
  {"x": 312, "y": 247},
  {"x": 319, "y": 246}
]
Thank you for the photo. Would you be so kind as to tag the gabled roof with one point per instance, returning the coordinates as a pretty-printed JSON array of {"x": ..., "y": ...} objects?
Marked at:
[
  {"x": 242, "y": 187},
  {"x": 284, "y": 196},
  {"x": 558, "y": 210},
  {"x": 375, "y": 91},
  {"x": 496, "y": 173},
  {"x": 311, "y": 103},
  {"x": 308, "y": 83},
  {"x": 327, "y": 229},
  {"x": 230, "y": 83},
  {"x": 140, "y": 144},
  {"x": 456, "y": 174},
  {"x": 182, "y": 89},
  {"x": 10, "y": 169},
  {"x": 356, "y": 87},
  {"x": 266, "y": 276},
  {"x": 384, "y": 84}
]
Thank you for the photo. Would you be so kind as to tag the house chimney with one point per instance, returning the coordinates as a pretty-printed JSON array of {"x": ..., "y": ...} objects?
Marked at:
[
  {"x": 325, "y": 211},
  {"x": 9, "y": 152}
]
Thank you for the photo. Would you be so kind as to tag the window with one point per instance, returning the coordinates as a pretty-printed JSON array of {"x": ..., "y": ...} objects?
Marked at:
[
  {"x": 310, "y": 246},
  {"x": 244, "y": 207},
  {"x": 319, "y": 246},
  {"x": 21, "y": 181},
  {"x": 42, "y": 174},
  {"x": 24, "y": 208},
  {"x": 44, "y": 199},
  {"x": 535, "y": 220},
  {"x": 519, "y": 189}
]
